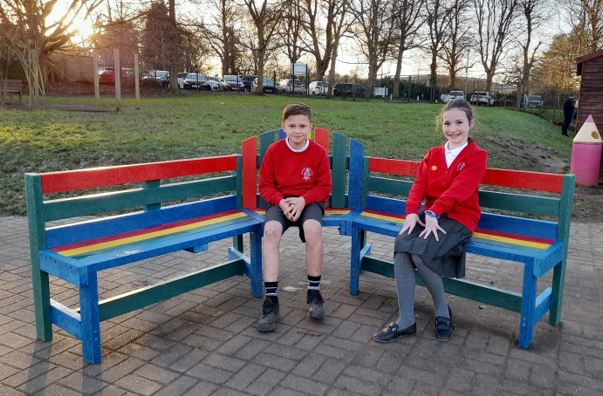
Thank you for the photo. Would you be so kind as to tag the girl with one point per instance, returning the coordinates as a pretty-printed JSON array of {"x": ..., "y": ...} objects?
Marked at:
[{"x": 433, "y": 238}]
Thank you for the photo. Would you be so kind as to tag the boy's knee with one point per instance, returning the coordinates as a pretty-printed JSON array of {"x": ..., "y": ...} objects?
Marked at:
[
  {"x": 312, "y": 231},
  {"x": 272, "y": 231}
]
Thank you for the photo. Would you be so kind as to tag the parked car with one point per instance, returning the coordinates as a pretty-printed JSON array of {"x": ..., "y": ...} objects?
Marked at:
[
  {"x": 481, "y": 97},
  {"x": 291, "y": 86},
  {"x": 107, "y": 76},
  {"x": 233, "y": 83},
  {"x": 247, "y": 81},
  {"x": 535, "y": 101},
  {"x": 452, "y": 95},
  {"x": 349, "y": 90},
  {"x": 196, "y": 81},
  {"x": 317, "y": 88},
  {"x": 180, "y": 79},
  {"x": 216, "y": 83},
  {"x": 268, "y": 86},
  {"x": 160, "y": 75}
]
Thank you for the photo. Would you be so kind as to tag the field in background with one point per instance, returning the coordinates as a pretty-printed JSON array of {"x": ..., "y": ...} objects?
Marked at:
[{"x": 61, "y": 135}]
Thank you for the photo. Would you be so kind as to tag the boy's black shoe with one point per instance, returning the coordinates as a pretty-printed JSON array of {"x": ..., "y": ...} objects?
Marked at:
[
  {"x": 316, "y": 308},
  {"x": 269, "y": 316}
]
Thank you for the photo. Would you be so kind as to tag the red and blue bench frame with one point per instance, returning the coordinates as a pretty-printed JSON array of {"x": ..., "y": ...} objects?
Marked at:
[
  {"x": 378, "y": 184},
  {"x": 170, "y": 206}
]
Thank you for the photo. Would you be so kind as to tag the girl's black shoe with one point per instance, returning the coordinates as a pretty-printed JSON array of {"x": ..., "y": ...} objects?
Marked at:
[{"x": 391, "y": 331}]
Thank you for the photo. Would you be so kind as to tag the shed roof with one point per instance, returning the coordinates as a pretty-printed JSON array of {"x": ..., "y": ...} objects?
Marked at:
[{"x": 586, "y": 58}]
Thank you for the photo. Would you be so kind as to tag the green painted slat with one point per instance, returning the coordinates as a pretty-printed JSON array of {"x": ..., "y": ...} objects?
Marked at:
[
  {"x": 338, "y": 173},
  {"x": 386, "y": 185},
  {"x": 102, "y": 203},
  {"x": 150, "y": 186},
  {"x": 547, "y": 206},
  {"x": 136, "y": 299},
  {"x": 458, "y": 287},
  {"x": 266, "y": 139},
  {"x": 565, "y": 218},
  {"x": 37, "y": 241}
]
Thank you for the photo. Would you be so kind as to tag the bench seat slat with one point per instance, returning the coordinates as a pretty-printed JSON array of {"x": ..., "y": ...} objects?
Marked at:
[{"x": 119, "y": 252}]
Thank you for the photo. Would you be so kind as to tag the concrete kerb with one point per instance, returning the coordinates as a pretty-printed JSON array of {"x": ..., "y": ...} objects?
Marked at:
[{"x": 205, "y": 342}]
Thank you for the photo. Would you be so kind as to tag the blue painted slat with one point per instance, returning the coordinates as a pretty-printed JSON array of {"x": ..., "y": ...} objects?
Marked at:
[
  {"x": 92, "y": 229},
  {"x": 89, "y": 313},
  {"x": 62, "y": 267},
  {"x": 518, "y": 225},
  {"x": 356, "y": 172},
  {"x": 66, "y": 318},
  {"x": 543, "y": 303},
  {"x": 385, "y": 204}
]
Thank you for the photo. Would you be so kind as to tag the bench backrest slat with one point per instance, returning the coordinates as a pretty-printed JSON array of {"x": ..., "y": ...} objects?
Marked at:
[
  {"x": 135, "y": 198},
  {"x": 54, "y": 182}
]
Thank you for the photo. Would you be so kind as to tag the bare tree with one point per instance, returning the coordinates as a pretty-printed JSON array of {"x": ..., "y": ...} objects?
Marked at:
[
  {"x": 32, "y": 37},
  {"x": 292, "y": 30},
  {"x": 265, "y": 17},
  {"x": 325, "y": 22},
  {"x": 495, "y": 23},
  {"x": 532, "y": 16},
  {"x": 437, "y": 17},
  {"x": 375, "y": 29},
  {"x": 408, "y": 19},
  {"x": 221, "y": 34},
  {"x": 459, "y": 39},
  {"x": 586, "y": 17}
]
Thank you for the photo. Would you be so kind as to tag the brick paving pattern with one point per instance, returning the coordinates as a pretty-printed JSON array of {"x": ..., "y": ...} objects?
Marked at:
[{"x": 205, "y": 343}]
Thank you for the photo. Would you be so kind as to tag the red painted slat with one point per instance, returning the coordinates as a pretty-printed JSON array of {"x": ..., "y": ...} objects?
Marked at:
[
  {"x": 536, "y": 181},
  {"x": 321, "y": 136},
  {"x": 393, "y": 166},
  {"x": 249, "y": 151},
  {"x": 53, "y": 182}
]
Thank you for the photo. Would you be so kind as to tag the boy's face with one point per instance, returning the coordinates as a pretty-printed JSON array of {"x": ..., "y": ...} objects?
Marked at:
[{"x": 297, "y": 128}]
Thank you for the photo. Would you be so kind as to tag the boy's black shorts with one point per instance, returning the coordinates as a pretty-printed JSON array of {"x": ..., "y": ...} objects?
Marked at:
[{"x": 313, "y": 211}]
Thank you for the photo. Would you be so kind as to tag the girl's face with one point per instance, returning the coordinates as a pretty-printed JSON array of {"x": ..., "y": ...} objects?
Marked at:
[
  {"x": 297, "y": 128},
  {"x": 456, "y": 126}
]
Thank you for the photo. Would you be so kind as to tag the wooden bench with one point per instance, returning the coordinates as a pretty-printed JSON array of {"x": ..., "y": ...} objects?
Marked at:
[
  {"x": 539, "y": 245},
  {"x": 154, "y": 224},
  {"x": 336, "y": 209},
  {"x": 11, "y": 86}
]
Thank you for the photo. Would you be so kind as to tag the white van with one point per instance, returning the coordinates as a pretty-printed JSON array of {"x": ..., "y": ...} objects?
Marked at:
[{"x": 317, "y": 88}]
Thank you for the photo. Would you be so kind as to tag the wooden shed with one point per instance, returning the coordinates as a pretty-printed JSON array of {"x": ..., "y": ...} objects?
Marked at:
[{"x": 590, "y": 67}]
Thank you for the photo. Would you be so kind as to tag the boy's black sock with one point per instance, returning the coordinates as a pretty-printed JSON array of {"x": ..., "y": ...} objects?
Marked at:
[{"x": 271, "y": 290}]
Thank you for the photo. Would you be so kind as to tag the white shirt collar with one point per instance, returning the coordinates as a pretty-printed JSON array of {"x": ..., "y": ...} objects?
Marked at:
[
  {"x": 299, "y": 150},
  {"x": 452, "y": 154}
]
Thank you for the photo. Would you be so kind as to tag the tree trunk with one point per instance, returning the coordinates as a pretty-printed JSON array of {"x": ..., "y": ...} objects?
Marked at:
[
  {"x": 433, "y": 76},
  {"x": 396, "y": 88}
]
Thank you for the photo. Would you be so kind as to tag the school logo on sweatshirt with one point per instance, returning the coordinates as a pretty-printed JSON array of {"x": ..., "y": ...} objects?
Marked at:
[{"x": 307, "y": 173}]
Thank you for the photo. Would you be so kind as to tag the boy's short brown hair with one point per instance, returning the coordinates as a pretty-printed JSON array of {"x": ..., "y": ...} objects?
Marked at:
[{"x": 297, "y": 109}]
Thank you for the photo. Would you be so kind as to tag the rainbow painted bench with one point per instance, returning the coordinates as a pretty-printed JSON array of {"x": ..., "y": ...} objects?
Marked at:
[
  {"x": 376, "y": 188},
  {"x": 150, "y": 210}
]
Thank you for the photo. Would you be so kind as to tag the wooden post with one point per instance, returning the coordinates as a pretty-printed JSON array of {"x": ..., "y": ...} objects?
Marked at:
[
  {"x": 117, "y": 73},
  {"x": 95, "y": 75},
  {"x": 136, "y": 79}
]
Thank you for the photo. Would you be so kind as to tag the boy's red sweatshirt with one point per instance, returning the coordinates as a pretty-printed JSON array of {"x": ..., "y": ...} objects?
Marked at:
[
  {"x": 286, "y": 173},
  {"x": 452, "y": 190}
]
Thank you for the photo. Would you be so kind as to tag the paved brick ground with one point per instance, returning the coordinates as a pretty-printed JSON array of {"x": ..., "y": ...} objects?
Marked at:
[{"x": 204, "y": 342}]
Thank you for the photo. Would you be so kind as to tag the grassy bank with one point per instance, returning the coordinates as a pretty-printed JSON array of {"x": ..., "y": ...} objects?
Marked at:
[{"x": 182, "y": 127}]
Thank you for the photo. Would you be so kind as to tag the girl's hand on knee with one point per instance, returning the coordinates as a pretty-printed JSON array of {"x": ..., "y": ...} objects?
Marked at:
[
  {"x": 410, "y": 222},
  {"x": 431, "y": 227}
]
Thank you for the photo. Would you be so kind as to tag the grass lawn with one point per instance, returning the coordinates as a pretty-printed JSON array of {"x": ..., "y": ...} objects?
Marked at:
[{"x": 199, "y": 125}]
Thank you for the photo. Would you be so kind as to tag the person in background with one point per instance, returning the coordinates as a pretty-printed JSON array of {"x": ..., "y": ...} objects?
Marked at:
[
  {"x": 568, "y": 112},
  {"x": 433, "y": 238},
  {"x": 295, "y": 181}
]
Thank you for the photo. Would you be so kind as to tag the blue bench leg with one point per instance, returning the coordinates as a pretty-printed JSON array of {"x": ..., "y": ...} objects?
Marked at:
[
  {"x": 528, "y": 307},
  {"x": 90, "y": 318},
  {"x": 355, "y": 261},
  {"x": 256, "y": 263}
]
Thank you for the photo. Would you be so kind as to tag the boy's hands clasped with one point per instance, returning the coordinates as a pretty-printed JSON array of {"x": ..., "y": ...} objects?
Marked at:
[
  {"x": 431, "y": 226},
  {"x": 292, "y": 207}
]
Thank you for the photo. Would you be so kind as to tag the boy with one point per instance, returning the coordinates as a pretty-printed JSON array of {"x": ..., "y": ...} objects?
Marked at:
[{"x": 295, "y": 180}]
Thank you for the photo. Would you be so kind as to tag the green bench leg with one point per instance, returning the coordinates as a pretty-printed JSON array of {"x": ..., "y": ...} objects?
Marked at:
[
  {"x": 90, "y": 319},
  {"x": 41, "y": 294},
  {"x": 557, "y": 296}
]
